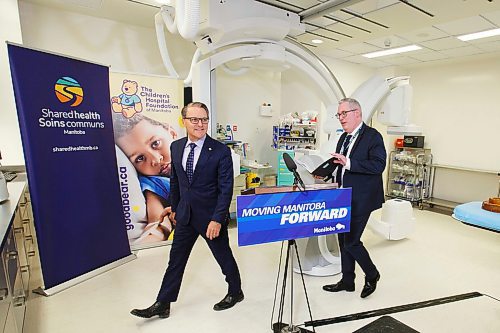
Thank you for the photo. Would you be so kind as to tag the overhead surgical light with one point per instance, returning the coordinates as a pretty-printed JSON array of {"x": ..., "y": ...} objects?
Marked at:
[
  {"x": 392, "y": 51},
  {"x": 478, "y": 35}
]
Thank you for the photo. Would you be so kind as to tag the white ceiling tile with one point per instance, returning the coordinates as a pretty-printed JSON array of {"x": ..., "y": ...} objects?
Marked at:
[
  {"x": 357, "y": 59},
  {"x": 369, "y": 6},
  {"x": 360, "y": 48},
  {"x": 421, "y": 35},
  {"x": 444, "y": 43},
  {"x": 340, "y": 15},
  {"x": 428, "y": 56},
  {"x": 335, "y": 52},
  {"x": 489, "y": 47},
  {"x": 462, "y": 51},
  {"x": 377, "y": 64},
  {"x": 493, "y": 17},
  {"x": 465, "y": 26},
  {"x": 388, "y": 42},
  {"x": 401, "y": 60}
]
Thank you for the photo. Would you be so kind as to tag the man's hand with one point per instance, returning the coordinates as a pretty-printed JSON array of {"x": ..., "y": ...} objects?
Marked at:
[
  {"x": 213, "y": 230},
  {"x": 339, "y": 158},
  {"x": 171, "y": 215}
]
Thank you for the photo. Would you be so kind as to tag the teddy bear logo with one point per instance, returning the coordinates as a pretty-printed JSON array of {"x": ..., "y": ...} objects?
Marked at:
[{"x": 128, "y": 103}]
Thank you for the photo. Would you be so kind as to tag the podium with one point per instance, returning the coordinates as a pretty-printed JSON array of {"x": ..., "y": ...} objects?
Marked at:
[
  {"x": 270, "y": 214},
  {"x": 320, "y": 254}
]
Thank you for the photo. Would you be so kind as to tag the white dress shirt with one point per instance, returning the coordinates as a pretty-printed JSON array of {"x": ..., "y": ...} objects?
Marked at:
[{"x": 197, "y": 151}]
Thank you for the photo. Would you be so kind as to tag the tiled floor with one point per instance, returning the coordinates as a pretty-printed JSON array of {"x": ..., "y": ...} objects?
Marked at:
[{"x": 442, "y": 258}]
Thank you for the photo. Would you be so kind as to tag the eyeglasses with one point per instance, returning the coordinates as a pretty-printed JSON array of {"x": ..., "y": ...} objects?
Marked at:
[
  {"x": 195, "y": 120},
  {"x": 343, "y": 114}
]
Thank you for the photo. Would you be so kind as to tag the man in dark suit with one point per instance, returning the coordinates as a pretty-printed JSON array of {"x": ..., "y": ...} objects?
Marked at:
[
  {"x": 361, "y": 157},
  {"x": 201, "y": 189}
]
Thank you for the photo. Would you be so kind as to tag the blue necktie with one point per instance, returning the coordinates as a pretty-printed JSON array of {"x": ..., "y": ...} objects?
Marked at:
[
  {"x": 189, "y": 162},
  {"x": 345, "y": 148}
]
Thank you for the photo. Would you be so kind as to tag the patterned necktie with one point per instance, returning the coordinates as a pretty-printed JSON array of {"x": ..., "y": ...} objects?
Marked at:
[
  {"x": 189, "y": 162},
  {"x": 345, "y": 148}
]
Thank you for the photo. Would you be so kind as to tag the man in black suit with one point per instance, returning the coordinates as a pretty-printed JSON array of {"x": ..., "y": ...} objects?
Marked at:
[
  {"x": 361, "y": 157},
  {"x": 201, "y": 188}
]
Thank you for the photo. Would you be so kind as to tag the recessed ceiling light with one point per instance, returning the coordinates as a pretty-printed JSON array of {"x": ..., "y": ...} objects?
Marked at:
[
  {"x": 392, "y": 51},
  {"x": 317, "y": 41},
  {"x": 482, "y": 34}
]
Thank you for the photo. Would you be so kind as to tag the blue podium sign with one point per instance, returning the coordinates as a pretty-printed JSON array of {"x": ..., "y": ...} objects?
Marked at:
[{"x": 265, "y": 218}]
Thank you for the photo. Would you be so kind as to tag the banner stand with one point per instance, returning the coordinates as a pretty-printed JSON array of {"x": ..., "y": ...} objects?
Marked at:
[
  {"x": 63, "y": 106},
  {"x": 84, "y": 277},
  {"x": 280, "y": 326},
  {"x": 146, "y": 246}
]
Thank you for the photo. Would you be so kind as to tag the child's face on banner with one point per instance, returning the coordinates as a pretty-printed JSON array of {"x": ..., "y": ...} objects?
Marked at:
[{"x": 148, "y": 148}]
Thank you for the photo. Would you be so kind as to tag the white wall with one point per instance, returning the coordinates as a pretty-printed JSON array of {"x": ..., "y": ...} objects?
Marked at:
[
  {"x": 10, "y": 136},
  {"x": 123, "y": 47},
  {"x": 238, "y": 99},
  {"x": 459, "y": 106}
]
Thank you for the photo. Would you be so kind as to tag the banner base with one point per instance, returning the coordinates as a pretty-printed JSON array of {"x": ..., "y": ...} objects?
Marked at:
[
  {"x": 84, "y": 277},
  {"x": 137, "y": 247}
]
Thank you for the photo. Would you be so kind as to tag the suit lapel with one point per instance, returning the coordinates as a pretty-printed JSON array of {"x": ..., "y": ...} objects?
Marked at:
[
  {"x": 340, "y": 142},
  {"x": 178, "y": 157},
  {"x": 206, "y": 152}
]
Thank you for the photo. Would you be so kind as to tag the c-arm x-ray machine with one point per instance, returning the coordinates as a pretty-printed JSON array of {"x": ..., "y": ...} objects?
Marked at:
[{"x": 252, "y": 33}]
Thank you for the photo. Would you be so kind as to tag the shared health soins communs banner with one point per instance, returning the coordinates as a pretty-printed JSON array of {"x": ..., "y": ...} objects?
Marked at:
[
  {"x": 66, "y": 128},
  {"x": 264, "y": 218}
]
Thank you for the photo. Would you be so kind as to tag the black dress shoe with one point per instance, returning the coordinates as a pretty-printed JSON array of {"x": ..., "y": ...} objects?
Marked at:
[
  {"x": 341, "y": 285},
  {"x": 229, "y": 301},
  {"x": 160, "y": 309},
  {"x": 370, "y": 286}
]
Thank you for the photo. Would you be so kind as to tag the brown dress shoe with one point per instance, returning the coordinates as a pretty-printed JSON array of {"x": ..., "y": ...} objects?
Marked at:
[
  {"x": 229, "y": 301},
  {"x": 160, "y": 309}
]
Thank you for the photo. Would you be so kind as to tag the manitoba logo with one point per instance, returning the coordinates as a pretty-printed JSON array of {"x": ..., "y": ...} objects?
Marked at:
[{"x": 69, "y": 90}]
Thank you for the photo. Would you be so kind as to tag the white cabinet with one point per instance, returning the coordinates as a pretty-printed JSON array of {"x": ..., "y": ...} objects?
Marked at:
[
  {"x": 17, "y": 253},
  {"x": 239, "y": 185}
]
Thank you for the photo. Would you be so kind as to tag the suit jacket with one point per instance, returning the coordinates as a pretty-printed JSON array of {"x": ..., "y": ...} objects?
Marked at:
[
  {"x": 368, "y": 159},
  {"x": 209, "y": 195}
]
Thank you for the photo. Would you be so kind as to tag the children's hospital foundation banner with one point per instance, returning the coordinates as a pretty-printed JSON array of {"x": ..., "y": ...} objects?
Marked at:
[
  {"x": 146, "y": 113},
  {"x": 63, "y": 107}
]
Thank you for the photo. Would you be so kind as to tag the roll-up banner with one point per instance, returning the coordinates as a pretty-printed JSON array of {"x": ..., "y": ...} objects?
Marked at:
[
  {"x": 146, "y": 114},
  {"x": 66, "y": 128}
]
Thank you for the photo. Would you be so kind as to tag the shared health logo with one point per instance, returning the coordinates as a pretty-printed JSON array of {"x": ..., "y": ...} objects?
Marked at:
[{"x": 68, "y": 90}]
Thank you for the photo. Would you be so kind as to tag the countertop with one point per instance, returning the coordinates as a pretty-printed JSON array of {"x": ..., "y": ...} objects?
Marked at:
[{"x": 8, "y": 207}]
